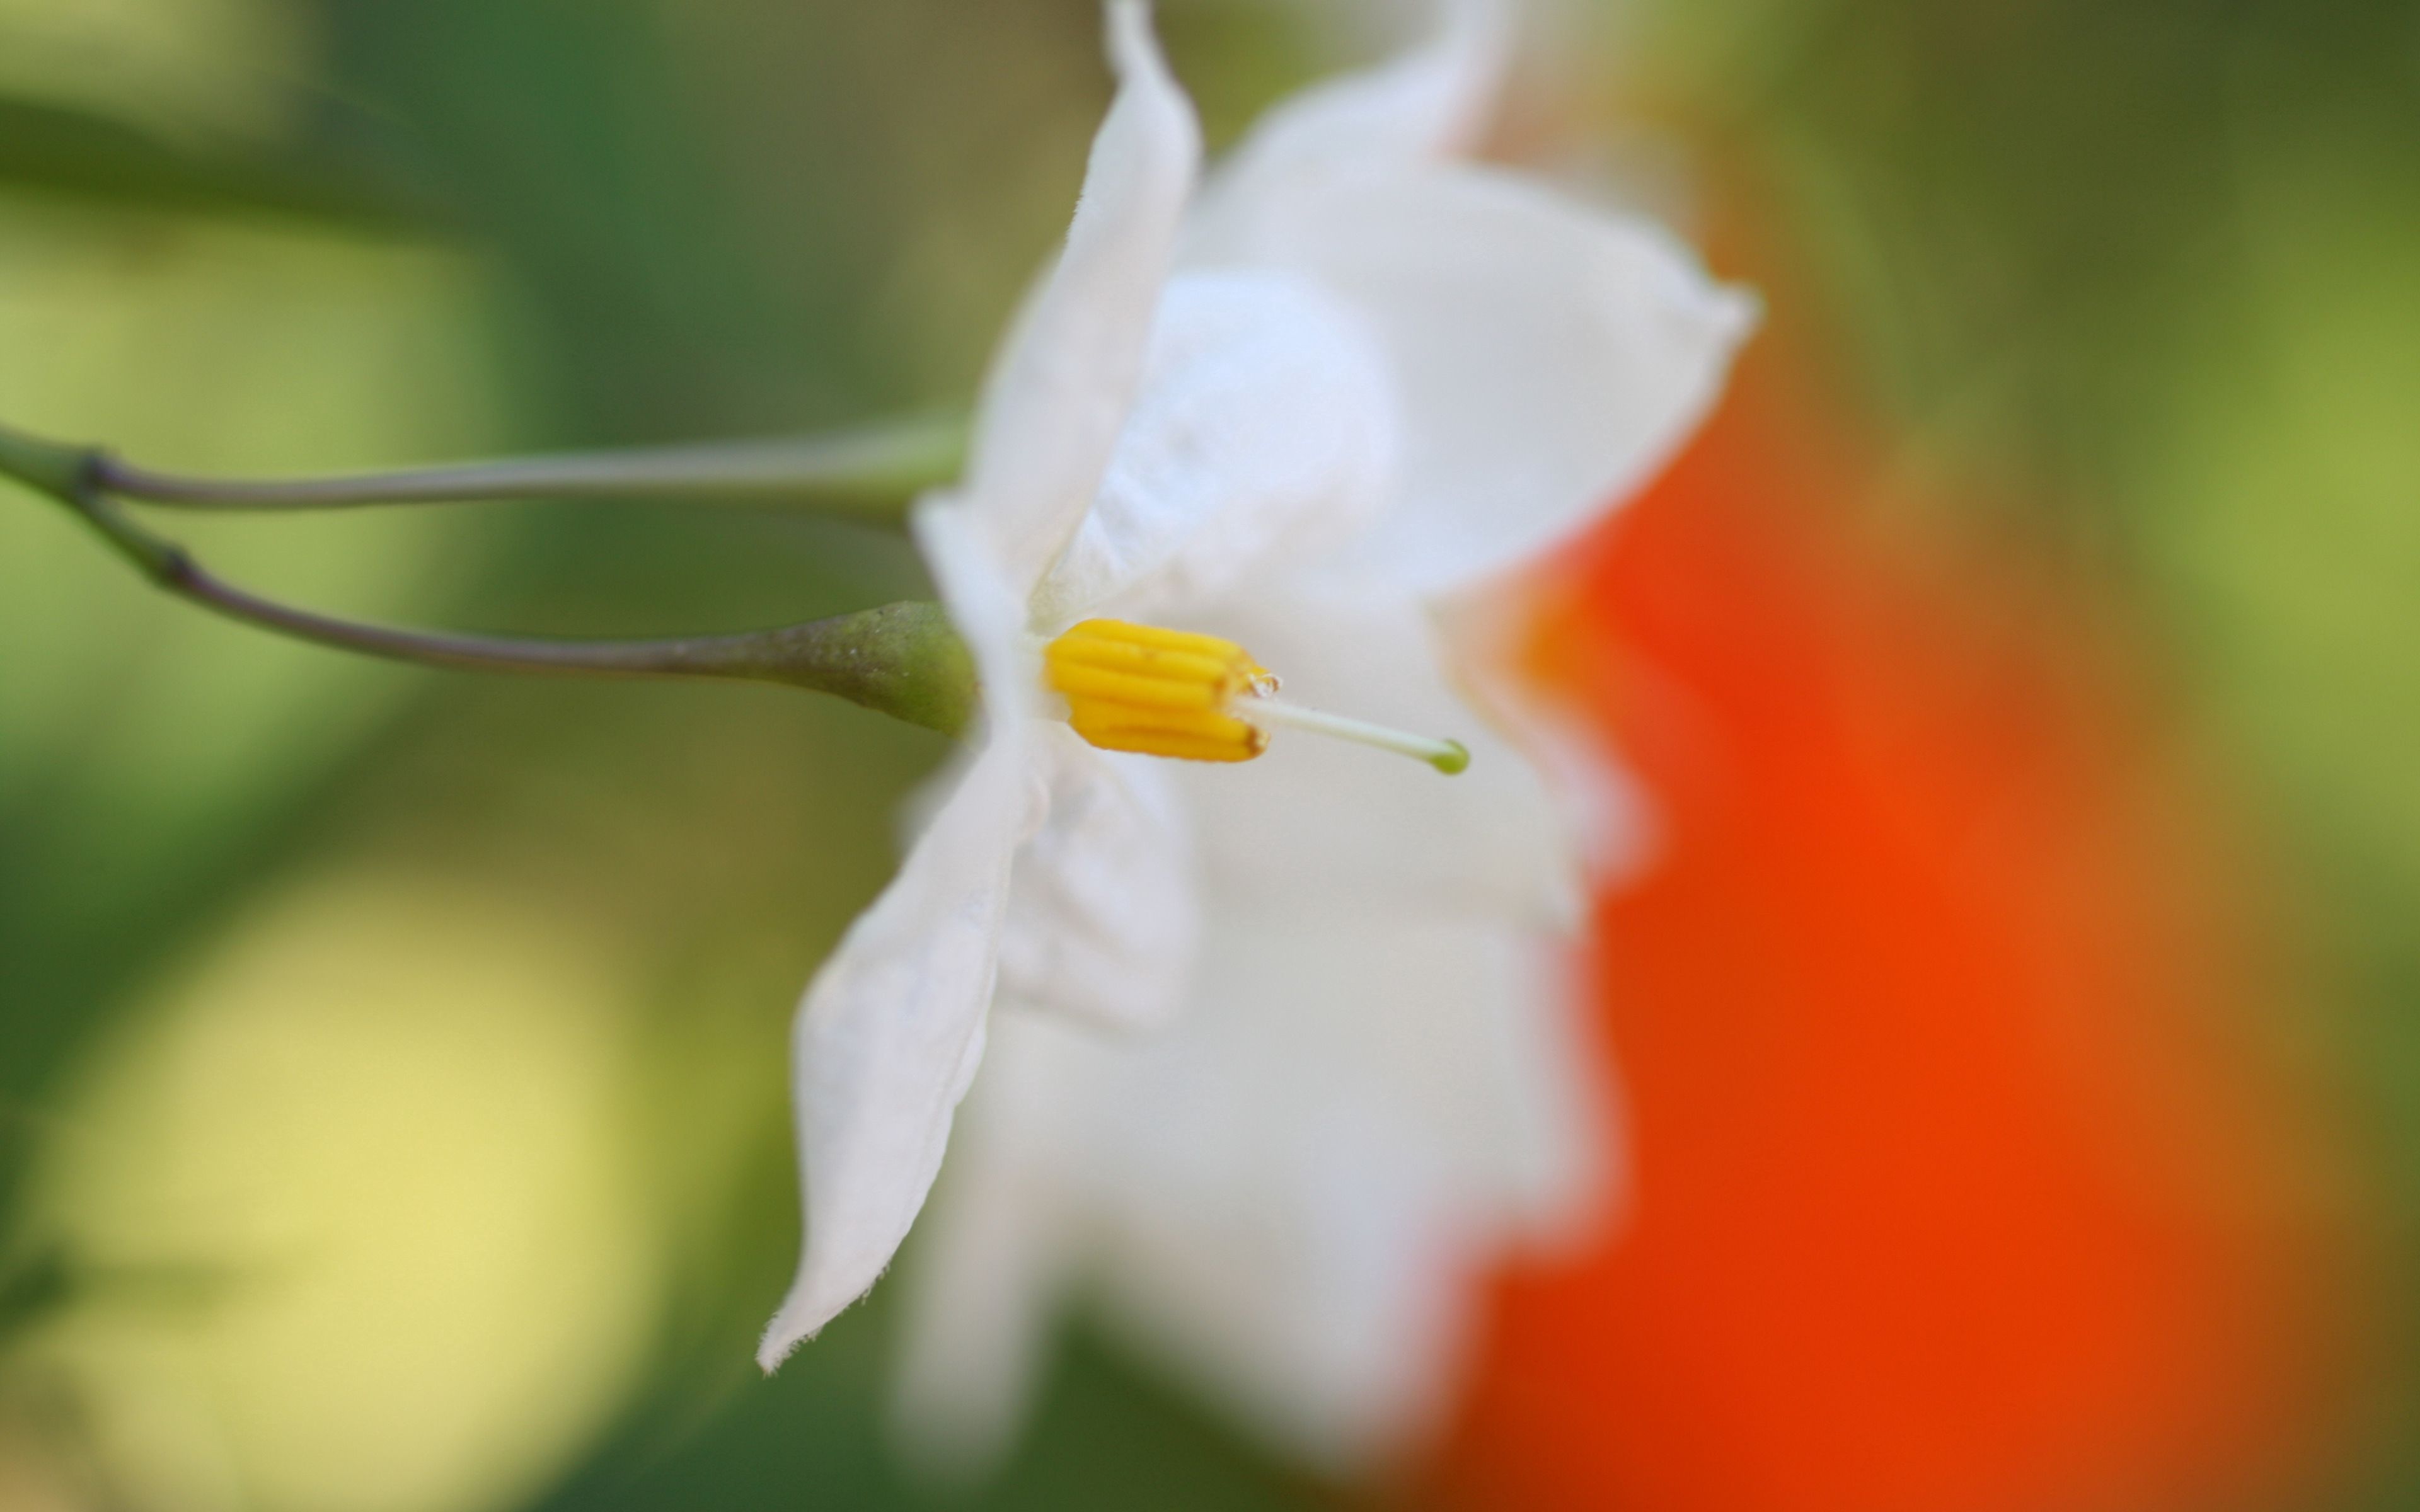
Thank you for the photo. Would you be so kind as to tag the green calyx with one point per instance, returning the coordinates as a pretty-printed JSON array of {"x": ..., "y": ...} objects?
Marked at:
[{"x": 901, "y": 659}]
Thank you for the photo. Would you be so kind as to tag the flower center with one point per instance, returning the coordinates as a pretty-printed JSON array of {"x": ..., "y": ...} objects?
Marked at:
[{"x": 1138, "y": 688}]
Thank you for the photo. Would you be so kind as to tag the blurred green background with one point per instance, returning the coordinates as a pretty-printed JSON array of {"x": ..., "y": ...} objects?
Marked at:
[{"x": 392, "y": 1084}]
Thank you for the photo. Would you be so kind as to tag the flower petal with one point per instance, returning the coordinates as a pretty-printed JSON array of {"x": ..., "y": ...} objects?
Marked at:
[
  {"x": 1603, "y": 810},
  {"x": 1265, "y": 428},
  {"x": 1549, "y": 358},
  {"x": 1430, "y": 103},
  {"x": 988, "y": 614},
  {"x": 1290, "y": 1196},
  {"x": 1365, "y": 1114},
  {"x": 1059, "y": 392},
  {"x": 989, "y": 1275},
  {"x": 1102, "y": 920},
  {"x": 889, "y": 1035},
  {"x": 1317, "y": 817}
]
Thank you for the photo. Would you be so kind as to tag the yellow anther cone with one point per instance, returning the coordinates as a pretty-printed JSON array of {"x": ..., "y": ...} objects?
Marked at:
[
  {"x": 1157, "y": 692},
  {"x": 1195, "y": 697}
]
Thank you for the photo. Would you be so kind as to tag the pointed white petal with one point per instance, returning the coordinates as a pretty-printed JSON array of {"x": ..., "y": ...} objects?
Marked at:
[
  {"x": 1549, "y": 358},
  {"x": 889, "y": 1035},
  {"x": 1059, "y": 392},
  {"x": 1430, "y": 102},
  {"x": 1265, "y": 429},
  {"x": 891, "y": 1028},
  {"x": 1102, "y": 920}
]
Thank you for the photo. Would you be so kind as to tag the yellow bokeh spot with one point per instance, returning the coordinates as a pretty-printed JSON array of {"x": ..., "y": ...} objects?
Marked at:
[{"x": 358, "y": 1213}]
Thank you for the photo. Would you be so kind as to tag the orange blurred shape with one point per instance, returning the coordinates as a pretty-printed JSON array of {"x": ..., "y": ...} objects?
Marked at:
[{"x": 1957, "y": 1185}]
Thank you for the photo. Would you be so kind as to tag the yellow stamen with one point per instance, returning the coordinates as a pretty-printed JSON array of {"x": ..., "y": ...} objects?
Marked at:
[
  {"x": 1159, "y": 692},
  {"x": 1194, "y": 697}
]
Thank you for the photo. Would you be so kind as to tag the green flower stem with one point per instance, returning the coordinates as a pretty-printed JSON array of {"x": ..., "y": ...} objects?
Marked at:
[
  {"x": 46, "y": 466},
  {"x": 902, "y": 659},
  {"x": 870, "y": 469}
]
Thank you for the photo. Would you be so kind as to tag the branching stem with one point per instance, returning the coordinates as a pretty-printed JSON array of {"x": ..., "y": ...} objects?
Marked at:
[{"x": 903, "y": 659}]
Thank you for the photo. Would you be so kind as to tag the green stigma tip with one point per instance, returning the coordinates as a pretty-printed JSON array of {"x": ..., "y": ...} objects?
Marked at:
[{"x": 1454, "y": 759}]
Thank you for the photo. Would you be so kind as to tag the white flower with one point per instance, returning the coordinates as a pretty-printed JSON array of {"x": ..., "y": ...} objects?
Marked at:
[{"x": 1299, "y": 410}]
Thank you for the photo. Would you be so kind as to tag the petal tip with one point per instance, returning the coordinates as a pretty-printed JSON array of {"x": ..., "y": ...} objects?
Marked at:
[
  {"x": 1690, "y": 294},
  {"x": 777, "y": 1345},
  {"x": 1733, "y": 311},
  {"x": 1131, "y": 40},
  {"x": 802, "y": 1318},
  {"x": 1478, "y": 33},
  {"x": 1135, "y": 53},
  {"x": 1146, "y": 79}
]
